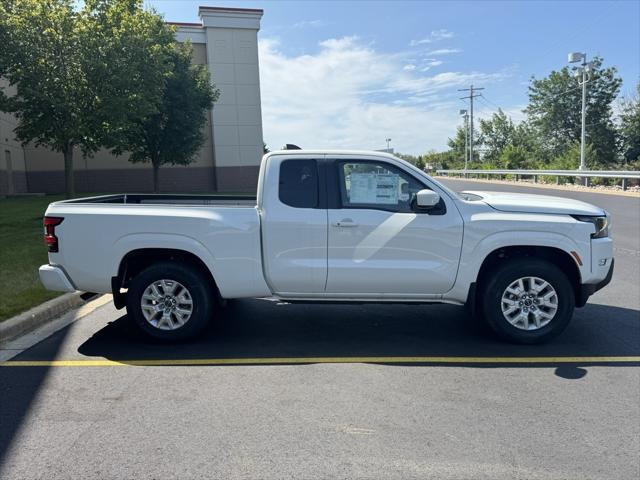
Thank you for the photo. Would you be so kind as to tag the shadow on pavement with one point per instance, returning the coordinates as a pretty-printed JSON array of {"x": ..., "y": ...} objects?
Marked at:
[
  {"x": 264, "y": 329},
  {"x": 260, "y": 328},
  {"x": 18, "y": 391}
]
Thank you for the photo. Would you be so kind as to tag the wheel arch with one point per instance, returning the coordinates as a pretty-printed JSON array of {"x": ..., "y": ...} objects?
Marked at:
[
  {"x": 134, "y": 261},
  {"x": 562, "y": 259}
]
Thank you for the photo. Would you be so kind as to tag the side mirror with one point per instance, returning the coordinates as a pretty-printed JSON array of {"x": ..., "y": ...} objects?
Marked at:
[{"x": 427, "y": 198}]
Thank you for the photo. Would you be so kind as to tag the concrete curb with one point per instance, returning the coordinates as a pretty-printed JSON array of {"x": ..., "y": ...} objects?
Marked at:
[{"x": 40, "y": 315}]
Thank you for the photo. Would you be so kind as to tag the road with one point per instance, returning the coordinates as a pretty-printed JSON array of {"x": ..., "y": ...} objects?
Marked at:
[{"x": 447, "y": 418}]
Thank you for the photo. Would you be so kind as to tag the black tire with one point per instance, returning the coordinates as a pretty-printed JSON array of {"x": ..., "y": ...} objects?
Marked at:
[
  {"x": 503, "y": 276},
  {"x": 200, "y": 292}
]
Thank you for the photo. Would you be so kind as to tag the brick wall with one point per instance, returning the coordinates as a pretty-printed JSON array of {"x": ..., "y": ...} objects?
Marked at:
[{"x": 19, "y": 182}]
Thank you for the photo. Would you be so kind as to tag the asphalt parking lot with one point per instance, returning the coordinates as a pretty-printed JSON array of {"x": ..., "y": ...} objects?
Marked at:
[{"x": 363, "y": 391}]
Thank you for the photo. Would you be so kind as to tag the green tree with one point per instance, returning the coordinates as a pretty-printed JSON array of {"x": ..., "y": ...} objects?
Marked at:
[
  {"x": 514, "y": 157},
  {"x": 497, "y": 133},
  {"x": 39, "y": 57},
  {"x": 444, "y": 160},
  {"x": 630, "y": 127},
  {"x": 78, "y": 75},
  {"x": 570, "y": 159},
  {"x": 457, "y": 144},
  {"x": 554, "y": 110},
  {"x": 174, "y": 133},
  {"x": 416, "y": 160}
]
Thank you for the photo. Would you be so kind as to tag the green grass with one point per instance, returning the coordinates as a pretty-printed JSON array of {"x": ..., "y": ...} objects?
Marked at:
[{"x": 22, "y": 251}]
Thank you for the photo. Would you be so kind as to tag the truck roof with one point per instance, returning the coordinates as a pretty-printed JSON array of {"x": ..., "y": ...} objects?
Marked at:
[{"x": 332, "y": 152}]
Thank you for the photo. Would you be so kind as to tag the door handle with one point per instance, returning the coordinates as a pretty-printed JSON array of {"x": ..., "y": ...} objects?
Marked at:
[{"x": 346, "y": 222}]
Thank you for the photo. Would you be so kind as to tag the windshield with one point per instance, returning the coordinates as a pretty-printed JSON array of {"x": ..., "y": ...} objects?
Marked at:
[{"x": 451, "y": 193}]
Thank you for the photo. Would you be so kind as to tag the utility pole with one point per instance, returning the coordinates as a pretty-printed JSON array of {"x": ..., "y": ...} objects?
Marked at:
[{"x": 471, "y": 96}]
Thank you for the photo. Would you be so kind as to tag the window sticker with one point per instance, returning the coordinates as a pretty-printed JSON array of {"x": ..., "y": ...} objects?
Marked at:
[{"x": 376, "y": 188}]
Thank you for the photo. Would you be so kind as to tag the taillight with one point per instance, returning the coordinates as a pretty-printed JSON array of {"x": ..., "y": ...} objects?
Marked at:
[{"x": 50, "y": 239}]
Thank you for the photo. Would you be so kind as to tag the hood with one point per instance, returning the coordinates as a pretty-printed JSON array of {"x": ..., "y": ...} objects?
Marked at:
[{"x": 528, "y": 203}]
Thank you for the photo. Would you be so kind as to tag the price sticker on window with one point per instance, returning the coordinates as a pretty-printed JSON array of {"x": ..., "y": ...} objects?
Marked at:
[{"x": 374, "y": 188}]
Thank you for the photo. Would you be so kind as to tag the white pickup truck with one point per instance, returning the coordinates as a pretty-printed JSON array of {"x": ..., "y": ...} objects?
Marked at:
[{"x": 333, "y": 226}]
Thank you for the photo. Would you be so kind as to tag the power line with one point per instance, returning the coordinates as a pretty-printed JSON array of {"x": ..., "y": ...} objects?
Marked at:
[{"x": 490, "y": 103}]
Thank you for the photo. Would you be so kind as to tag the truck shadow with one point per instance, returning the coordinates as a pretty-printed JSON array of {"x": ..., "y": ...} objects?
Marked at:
[
  {"x": 250, "y": 329},
  {"x": 263, "y": 329}
]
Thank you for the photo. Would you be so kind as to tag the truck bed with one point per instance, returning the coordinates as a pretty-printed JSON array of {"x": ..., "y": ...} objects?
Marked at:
[
  {"x": 222, "y": 231},
  {"x": 225, "y": 200}
]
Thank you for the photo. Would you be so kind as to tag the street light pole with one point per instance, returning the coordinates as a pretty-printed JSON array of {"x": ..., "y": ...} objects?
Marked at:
[
  {"x": 466, "y": 136},
  {"x": 584, "y": 71},
  {"x": 583, "y": 165},
  {"x": 388, "y": 140}
]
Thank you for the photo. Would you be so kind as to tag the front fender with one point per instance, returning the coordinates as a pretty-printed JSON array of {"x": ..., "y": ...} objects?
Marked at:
[
  {"x": 474, "y": 254},
  {"x": 472, "y": 261}
]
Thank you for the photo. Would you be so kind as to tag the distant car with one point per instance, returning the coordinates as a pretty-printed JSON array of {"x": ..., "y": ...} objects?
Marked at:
[{"x": 333, "y": 226}]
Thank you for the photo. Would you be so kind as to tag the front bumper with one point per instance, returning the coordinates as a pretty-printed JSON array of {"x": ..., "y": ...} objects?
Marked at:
[
  {"x": 588, "y": 289},
  {"x": 54, "y": 278},
  {"x": 601, "y": 258}
]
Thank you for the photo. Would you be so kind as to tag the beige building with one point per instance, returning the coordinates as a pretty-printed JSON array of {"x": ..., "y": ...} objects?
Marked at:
[{"x": 225, "y": 40}]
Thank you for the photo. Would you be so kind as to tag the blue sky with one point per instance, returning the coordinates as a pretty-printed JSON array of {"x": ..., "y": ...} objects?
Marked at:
[{"x": 350, "y": 74}]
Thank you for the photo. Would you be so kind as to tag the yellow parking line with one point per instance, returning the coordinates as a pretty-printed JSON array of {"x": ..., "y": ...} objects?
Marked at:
[{"x": 299, "y": 360}]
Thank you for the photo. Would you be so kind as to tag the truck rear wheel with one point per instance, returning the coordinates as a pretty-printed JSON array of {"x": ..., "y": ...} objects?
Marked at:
[
  {"x": 528, "y": 301},
  {"x": 170, "y": 301}
]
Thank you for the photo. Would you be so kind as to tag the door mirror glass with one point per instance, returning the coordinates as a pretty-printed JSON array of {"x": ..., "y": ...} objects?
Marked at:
[{"x": 427, "y": 198}]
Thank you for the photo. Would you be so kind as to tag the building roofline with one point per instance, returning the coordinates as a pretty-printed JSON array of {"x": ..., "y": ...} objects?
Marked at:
[
  {"x": 231, "y": 9},
  {"x": 184, "y": 24}
]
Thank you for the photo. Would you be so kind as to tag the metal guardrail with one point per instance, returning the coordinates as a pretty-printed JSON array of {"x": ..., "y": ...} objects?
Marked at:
[{"x": 624, "y": 175}]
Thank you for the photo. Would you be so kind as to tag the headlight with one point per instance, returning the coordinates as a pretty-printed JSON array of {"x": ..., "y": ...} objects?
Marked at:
[{"x": 600, "y": 223}]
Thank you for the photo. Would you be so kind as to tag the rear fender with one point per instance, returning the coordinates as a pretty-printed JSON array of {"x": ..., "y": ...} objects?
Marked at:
[{"x": 141, "y": 241}]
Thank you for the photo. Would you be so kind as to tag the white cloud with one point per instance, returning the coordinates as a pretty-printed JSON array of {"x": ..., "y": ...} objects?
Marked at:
[
  {"x": 434, "y": 36},
  {"x": 409, "y": 67},
  {"x": 430, "y": 63},
  {"x": 484, "y": 111},
  {"x": 443, "y": 51},
  {"x": 309, "y": 24},
  {"x": 441, "y": 34},
  {"x": 348, "y": 95}
]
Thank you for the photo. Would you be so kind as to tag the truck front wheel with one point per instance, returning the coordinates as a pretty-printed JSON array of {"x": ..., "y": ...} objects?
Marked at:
[
  {"x": 527, "y": 300},
  {"x": 170, "y": 301}
]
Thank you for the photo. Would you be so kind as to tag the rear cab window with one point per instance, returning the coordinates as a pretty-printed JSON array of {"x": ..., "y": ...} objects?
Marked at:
[{"x": 298, "y": 184}]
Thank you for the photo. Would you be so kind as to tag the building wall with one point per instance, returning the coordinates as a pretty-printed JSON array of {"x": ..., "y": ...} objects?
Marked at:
[
  {"x": 229, "y": 159},
  {"x": 232, "y": 56},
  {"x": 13, "y": 178},
  {"x": 107, "y": 173}
]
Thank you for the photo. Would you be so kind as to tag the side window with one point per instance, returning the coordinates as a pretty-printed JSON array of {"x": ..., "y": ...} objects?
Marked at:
[
  {"x": 377, "y": 185},
  {"x": 299, "y": 183}
]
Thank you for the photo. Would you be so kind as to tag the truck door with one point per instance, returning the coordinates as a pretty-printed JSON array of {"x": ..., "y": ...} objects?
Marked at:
[
  {"x": 379, "y": 243},
  {"x": 294, "y": 226}
]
